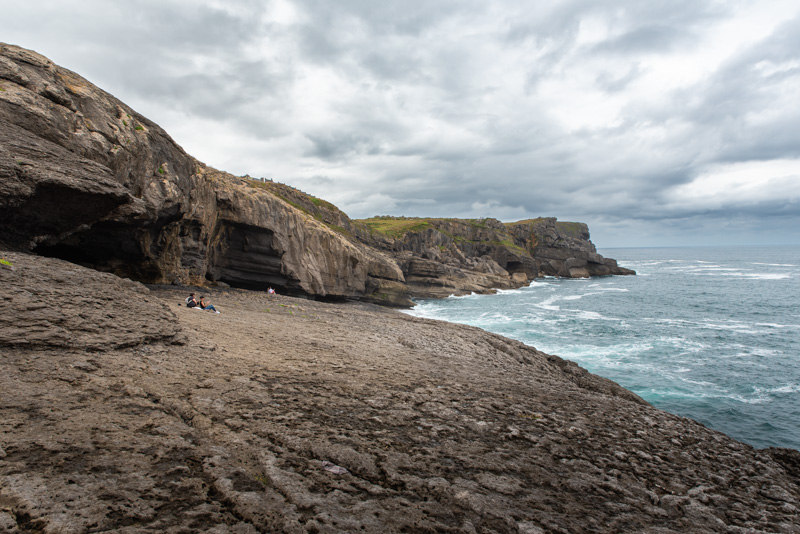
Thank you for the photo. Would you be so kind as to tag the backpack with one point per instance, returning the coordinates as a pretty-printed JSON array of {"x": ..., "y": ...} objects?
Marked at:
[{"x": 190, "y": 302}]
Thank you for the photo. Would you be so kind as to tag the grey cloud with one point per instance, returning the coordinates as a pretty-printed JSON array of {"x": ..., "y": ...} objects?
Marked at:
[
  {"x": 724, "y": 107},
  {"x": 645, "y": 39},
  {"x": 615, "y": 84},
  {"x": 336, "y": 146},
  {"x": 386, "y": 18}
]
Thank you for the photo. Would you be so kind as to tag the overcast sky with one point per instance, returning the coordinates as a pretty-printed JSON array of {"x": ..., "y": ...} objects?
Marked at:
[{"x": 665, "y": 122}]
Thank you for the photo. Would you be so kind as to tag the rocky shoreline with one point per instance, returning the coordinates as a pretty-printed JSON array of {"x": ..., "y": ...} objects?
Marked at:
[{"x": 122, "y": 410}]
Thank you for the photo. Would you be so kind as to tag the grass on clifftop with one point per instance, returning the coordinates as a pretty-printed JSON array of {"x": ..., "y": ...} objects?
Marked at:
[
  {"x": 396, "y": 227},
  {"x": 526, "y": 221},
  {"x": 572, "y": 229},
  {"x": 308, "y": 204}
]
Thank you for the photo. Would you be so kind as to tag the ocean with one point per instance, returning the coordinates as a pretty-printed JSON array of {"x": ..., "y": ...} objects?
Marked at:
[{"x": 707, "y": 333}]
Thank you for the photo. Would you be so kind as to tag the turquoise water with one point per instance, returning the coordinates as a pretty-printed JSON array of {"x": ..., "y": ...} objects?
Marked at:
[{"x": 707, "y": 333}]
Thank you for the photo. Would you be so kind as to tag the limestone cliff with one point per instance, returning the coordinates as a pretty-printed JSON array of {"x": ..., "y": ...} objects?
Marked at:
[
  {"x": 83, "y": 177},
  {"x": 440, "y": 257}
]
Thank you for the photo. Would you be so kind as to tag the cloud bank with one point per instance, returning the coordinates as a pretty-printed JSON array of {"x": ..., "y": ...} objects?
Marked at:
[{"x": 658, "y": 123}]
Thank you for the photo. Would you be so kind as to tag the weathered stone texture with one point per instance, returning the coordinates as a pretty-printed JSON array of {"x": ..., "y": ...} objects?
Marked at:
[{"x": 153, "y": 417}]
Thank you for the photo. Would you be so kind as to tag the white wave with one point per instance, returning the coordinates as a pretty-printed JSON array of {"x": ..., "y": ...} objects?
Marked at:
[
  {"x": 509, "y": 292},
  {"x": 714, "y": 268},
  {"x": 425, "y": 313},
  {"x": 458, "y": 297},
  {"x": 711, "y": 391},
  {"x": 738, "y": 273},
  {"x": 775, "y": 264},
  {"x": 576, "y": 297},
  {"x": 702, "y": 383},
  {"x": 761, "y": 352},
  {"x": 547, "y": 304},
  {"x": 774, "y": 325},
  {"x": 620, "y": 289},
  {"x": 749, "y": 400},
  {"x": 789, "y": 388},
  {"x": 739, "y": 328},
  {"x": 644, "y": 263},
  {"x": 590, "y": 315},
  {"x": 676, "y": 322},
  {"x": 686, "y": 346},
  {"x": 774, "y": 276},
  {"x": 614, "y": 354},
  {"x": 495, "y": 317}
]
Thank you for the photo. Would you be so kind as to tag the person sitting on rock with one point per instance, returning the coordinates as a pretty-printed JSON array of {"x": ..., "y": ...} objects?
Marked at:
[
  {"x": 191, "y": 302},
  {"x": 207, "y": 306},
  {"x": 270, "y": 291}
]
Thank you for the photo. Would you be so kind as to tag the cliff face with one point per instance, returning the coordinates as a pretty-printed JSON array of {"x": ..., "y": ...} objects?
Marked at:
[
  {"x": 440, "y": 257},
  {"x": 85, "y": 178}
]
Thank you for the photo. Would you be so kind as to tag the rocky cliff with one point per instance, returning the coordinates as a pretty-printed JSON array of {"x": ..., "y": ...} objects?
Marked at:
[
  {"x": 440, "y": 257},
  {"x": 85, "y": 178}
]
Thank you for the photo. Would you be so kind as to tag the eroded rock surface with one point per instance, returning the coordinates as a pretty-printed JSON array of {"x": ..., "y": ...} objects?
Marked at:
[{"x": 233, "y": 422}]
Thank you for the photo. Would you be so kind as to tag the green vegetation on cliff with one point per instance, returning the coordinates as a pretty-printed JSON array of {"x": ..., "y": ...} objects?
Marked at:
[
  {"x": 459, "y": 230},
  {"x": 319, "y": 209},
  {"x": 571, "y": 229},
  {"x": 526, "y": 221},
  {"x": 396, "y": 227}
]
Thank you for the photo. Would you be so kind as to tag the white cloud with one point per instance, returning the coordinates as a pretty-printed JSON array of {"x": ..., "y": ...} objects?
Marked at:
[{"x": 741, "y": 184}]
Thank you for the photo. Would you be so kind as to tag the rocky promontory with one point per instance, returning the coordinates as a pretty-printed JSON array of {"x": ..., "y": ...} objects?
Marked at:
[
  {"x": 442, "y": 257},
  {"x": 122, "y": 410},
  {"x": 85, "y": 178}
]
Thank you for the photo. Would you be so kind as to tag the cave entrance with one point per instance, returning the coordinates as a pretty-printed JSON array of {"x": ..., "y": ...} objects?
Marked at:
[{"x": 244, "y": 258}]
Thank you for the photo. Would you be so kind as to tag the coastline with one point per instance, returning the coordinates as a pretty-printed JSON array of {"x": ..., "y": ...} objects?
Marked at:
[
  {"x": 706, "y": 333},
  {"x": 170, "y": 418}
]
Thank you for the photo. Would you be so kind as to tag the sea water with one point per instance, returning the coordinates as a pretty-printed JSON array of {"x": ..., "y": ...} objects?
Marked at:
[{"x": 707, "y": 333}]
